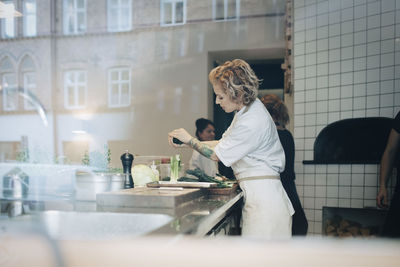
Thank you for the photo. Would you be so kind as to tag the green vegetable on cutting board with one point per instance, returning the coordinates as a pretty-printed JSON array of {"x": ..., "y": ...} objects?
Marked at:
[{"x": 209, "y": 179}]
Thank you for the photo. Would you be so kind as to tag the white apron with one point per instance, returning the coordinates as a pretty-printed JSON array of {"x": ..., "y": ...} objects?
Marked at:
[{"x": 267, "y": 210}]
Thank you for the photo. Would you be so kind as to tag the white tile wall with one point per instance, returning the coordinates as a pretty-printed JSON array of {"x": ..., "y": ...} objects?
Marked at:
[{"x": 347, "y": 65}]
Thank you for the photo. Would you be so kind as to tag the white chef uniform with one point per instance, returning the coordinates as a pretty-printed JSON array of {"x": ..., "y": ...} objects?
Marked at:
[
  {"x": 252, "y": 148},
  {"x": 207, "y": 165}
]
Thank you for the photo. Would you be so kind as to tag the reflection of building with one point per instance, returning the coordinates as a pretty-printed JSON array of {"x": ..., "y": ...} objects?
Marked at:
[{"x": 123, "y": 72}]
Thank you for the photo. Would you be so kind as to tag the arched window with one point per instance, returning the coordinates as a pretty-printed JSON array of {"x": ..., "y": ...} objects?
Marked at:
[
  {"x": 8, "y": 85},
  {"x": 28, "y": 79}
]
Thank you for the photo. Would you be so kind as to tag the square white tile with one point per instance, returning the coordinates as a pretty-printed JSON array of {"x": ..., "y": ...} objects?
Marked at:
[
  {"x": 370, "y": 179},
  {"x": 332, "y": 191},
  {"x": 344, "y": 202},
  {"x": 373, "y": 88},
  {"x": 322, "y": 117},
  {"x": 357, "y": 203},
  {"x": 370, "y": 192},
  {"x": 360, "y": 50},
  {"x": 322, "y": 93},
  {"x": 322, "y": 83},
  {"x": 347, "y": 78},
  {"x": 347, "y": 53},
  {"x": 347, "y": 27},
  {"x": 360, "y": 76},
  {"x": 359, "y": 102},
  {"x": 347, "y": 40},
  {"x": 387, "y": 100},
  {"x": 347, "y": 14},
  {"x": 322, "y": 20},
  {"x": 322, "y": 45},
  {"x": 311, "y": 83},
  {"x": 332, "y": 202},
  {"x": 360, "y": 63},
  {"x": 346, "y": 91},
  {"x": 387, "y": 73},
  {"x": 344, "y": 179},
  {"x": 360, "y": 11},
  {"x": 374, "y": 21},
  {"x": 373, "y": 75},
  {"x": 373, "y": 101},
  {"x": 373, "y": 8},
  {"x": 387, "y": 5},
  {"x": 373, "y": 48},
  {"x": 357, "y": 179},
  {"x": 334, "y": 105},
  {"x": 334, "y": 80},
  {"x": 360, "y": 89},
  {"x": 357, "y": 192},
  {"x": 344, "y": 192},
  {"x": 332, "y": 179},
  {"x": 388, "y": 18}
]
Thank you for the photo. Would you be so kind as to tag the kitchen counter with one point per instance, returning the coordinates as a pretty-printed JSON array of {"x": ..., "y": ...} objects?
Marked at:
[{"x": 196, "y": 217}]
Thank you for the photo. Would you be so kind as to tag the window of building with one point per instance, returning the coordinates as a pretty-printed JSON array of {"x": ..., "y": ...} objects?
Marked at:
[
  {"x": 119, "y": 87},
  {"x": 29, "y": 87},
  {"x": 10, "y": 96},
  {"x": 226, "y": 9},
  {"x": 75, "y": 89},
  {"x": 173, "y": 12},
  {"x": 8, "y": 23},
  {"x": 74, "y": 16},
  {"x": 119, "y": 15},
  {"x": 28, "y": 76},
  {"x": 29, "y": 13},
  {"x": 8, "y": 85}
]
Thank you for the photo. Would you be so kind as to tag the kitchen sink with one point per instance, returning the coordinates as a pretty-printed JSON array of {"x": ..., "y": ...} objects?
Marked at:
[{"x": 73, "y": 225}]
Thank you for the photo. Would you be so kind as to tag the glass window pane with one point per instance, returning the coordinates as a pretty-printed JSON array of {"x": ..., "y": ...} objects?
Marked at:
[
  {"x": 114, "y": 75},
  {"x": 179, "y": 12},
  {"x": 167, "y": 13},
  {"x": 81, "y": 77},
  {"x": 125, "y": 75},
  {"x": 71, "y": 96},
  {"x": 81, "y": 4},
  {"x": 81, "y": 22},
  {"x": 81, "y": 96},
  {"x": 219, "y": 9},
  {"x": 231, "y": 9}
]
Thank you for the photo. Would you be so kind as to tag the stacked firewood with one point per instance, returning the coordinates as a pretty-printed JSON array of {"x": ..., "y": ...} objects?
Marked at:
[{"x": 339, "y": 227}]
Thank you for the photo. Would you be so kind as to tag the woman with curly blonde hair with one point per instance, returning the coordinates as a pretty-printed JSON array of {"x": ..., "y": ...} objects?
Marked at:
[{"x": 251, "y": 147}]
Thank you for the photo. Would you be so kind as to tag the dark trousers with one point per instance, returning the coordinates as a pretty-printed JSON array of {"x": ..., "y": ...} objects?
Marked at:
[{"x": 391, "y": 227}]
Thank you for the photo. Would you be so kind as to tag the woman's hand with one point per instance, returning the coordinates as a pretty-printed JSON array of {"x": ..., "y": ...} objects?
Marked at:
[
  {"x": 180, "y": 134},
  {"x": 381, "y": 198}
]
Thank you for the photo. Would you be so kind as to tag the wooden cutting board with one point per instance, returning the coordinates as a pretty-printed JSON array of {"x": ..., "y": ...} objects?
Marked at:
[
  {"x": 146, "y": 197},
  {"x": 181, "y": 184}
]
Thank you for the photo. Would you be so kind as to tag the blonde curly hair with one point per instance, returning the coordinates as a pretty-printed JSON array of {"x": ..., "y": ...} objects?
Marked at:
[{"x": 238, "y": 81}]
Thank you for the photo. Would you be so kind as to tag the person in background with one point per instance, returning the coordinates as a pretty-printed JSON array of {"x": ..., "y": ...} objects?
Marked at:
[
  {"x": 390, "y": 158},
  {"x": 205, "y": 131},
  {"x": 279, "y": 114},
  {"x": 251, "y": 146}
]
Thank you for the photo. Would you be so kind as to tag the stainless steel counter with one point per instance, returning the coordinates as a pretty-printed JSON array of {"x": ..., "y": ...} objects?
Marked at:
[{"x": 67, "y": 219}]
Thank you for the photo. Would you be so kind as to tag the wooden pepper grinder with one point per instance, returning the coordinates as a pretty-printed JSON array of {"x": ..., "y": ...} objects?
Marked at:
[{"x": 127, "y": 160}]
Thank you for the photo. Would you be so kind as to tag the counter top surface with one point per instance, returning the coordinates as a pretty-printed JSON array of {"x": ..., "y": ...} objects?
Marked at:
[{"x": 195, "y": 217}]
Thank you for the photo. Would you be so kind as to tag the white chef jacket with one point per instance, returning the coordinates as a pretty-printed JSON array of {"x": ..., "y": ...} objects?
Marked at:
[
  {"x": 251, "y": 146},
  {"x": 207, "y": 165}
]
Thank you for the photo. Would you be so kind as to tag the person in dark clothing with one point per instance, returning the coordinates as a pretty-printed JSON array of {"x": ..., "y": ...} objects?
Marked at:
[
  {"x": 279, "y": 114},
  {"x": 390, "y": 158}
]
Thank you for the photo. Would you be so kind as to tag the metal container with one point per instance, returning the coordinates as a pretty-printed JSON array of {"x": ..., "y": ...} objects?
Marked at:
[
  {"x": 15, "y": 184},
  {"x": 88, "y": 184}
]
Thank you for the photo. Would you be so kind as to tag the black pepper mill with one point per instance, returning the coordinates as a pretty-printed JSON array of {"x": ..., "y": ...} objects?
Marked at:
[{"x": 127, "y": 160}]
